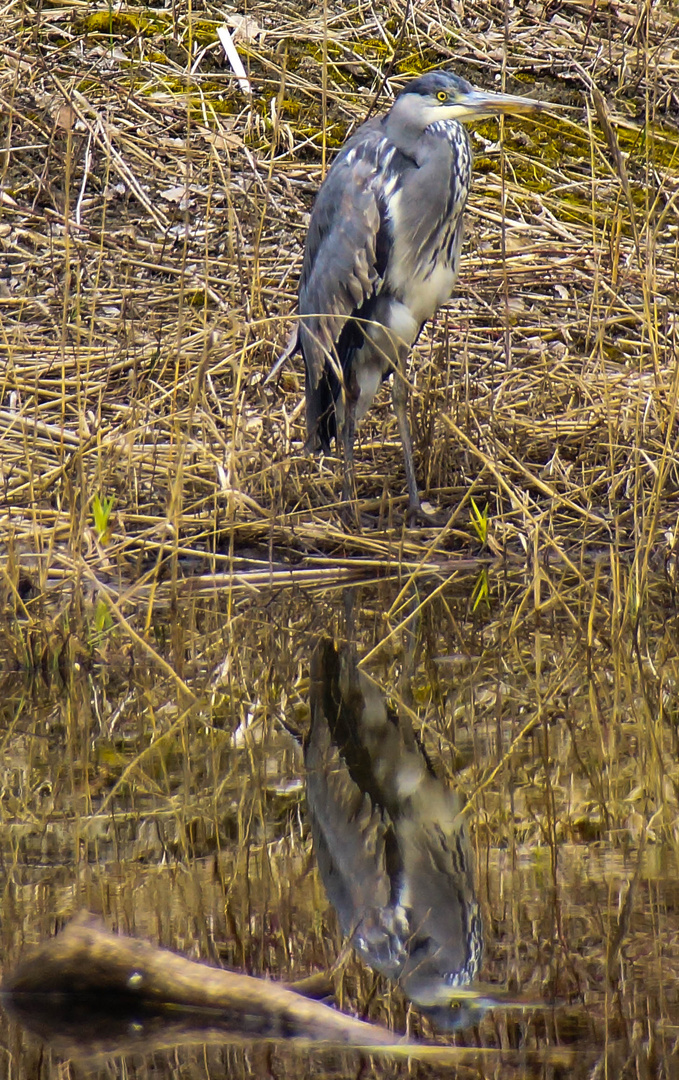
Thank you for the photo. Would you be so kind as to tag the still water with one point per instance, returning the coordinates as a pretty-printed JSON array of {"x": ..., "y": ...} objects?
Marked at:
[{"x": 408, "y": 794}]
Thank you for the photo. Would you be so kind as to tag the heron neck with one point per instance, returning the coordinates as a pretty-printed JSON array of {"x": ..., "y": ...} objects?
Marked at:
[
  {"x": 405, "y": 129},
  {"x": 401, "y": 132}
]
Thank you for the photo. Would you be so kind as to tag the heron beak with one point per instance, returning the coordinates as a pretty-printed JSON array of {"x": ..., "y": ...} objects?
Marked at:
[{"x": 481, "y": 103}]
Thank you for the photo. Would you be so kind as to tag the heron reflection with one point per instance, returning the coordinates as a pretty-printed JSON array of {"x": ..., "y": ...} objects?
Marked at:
[{"x": 390, "y": 841}]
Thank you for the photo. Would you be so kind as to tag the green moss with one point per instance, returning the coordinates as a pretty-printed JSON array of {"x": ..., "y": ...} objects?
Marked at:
[
  {"x": 204, "y": 31},
  {"x": 156, "y": 58},
  {"x": 114, "y": 23},
  {"x": 657, "y": 145},
  {"x": 418, "y": 63},
  {"x": 290, "y": 108},
  {"x": 126, "y": 24},
  {"x": 199, "y": 299},
  {"x": 373, "y": 49},
  {"x": 538, "y": 149}
]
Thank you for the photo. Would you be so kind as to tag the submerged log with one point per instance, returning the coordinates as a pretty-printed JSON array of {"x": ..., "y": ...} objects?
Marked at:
[
  {"x": 89, "y": 963},
  {"x": 91, "y": 994}
]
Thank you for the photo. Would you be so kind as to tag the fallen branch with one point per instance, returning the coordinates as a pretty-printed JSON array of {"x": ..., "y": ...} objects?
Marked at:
[
  {"x": 86, "y": 961},
  {"x": 92, "y": 994}
]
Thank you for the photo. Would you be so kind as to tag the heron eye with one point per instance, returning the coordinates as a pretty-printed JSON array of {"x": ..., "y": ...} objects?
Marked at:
[{"x": 442, "y": 96}]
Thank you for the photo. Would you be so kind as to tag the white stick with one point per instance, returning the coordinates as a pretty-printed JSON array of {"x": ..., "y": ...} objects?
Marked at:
[{"x": 234, "y": 59}]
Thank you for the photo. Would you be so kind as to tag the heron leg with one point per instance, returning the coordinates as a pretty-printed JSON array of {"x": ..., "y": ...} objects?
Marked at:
[
  {"x": 348, "y": 436},
  {"x": 399, "y": 393}
]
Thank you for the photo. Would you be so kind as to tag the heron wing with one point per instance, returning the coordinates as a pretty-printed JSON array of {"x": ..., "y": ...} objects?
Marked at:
[
  {"x": 350, "y": 833},
  {"x": 347, "y": 244},
  {"x": 349, "y": 836}
]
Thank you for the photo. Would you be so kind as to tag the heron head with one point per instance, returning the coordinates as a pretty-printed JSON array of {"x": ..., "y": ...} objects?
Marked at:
[
  {"x": 440, "y": 95},
  {"x": 457, "y": 1016}
]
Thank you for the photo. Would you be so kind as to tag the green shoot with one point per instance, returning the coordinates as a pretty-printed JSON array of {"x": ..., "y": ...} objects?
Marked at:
[
  {"x": 101, "y": 511},
  {"x": 479, "y": 520},
  {"x": 481, "y": 593}
]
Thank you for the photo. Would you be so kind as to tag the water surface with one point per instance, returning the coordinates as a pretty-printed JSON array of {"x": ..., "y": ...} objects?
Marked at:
[{"x": 183, "y": 820}]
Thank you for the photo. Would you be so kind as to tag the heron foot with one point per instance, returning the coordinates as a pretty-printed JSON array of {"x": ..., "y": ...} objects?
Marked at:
[
  {"x": 351, "y": 515},
  {"x": 417, "y": 514}
]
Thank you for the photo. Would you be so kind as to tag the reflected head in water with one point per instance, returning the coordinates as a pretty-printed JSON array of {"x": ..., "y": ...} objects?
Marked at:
[{"x": 390, "y": 841}]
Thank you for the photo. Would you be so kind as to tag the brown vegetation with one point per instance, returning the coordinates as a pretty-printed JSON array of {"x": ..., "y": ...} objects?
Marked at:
[{"x": 168, "y": 553}]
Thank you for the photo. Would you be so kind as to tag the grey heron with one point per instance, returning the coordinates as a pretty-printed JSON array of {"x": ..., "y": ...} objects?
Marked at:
[{"x": 382, "y": 254}]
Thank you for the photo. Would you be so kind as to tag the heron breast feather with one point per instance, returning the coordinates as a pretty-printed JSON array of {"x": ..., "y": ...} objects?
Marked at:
[
  {"x": 425, "y": 293},
  {"x": 368, "y": 378}
]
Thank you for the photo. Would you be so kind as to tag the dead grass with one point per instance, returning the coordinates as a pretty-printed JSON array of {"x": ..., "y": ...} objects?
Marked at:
[{"x": 152, "y": 227}]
